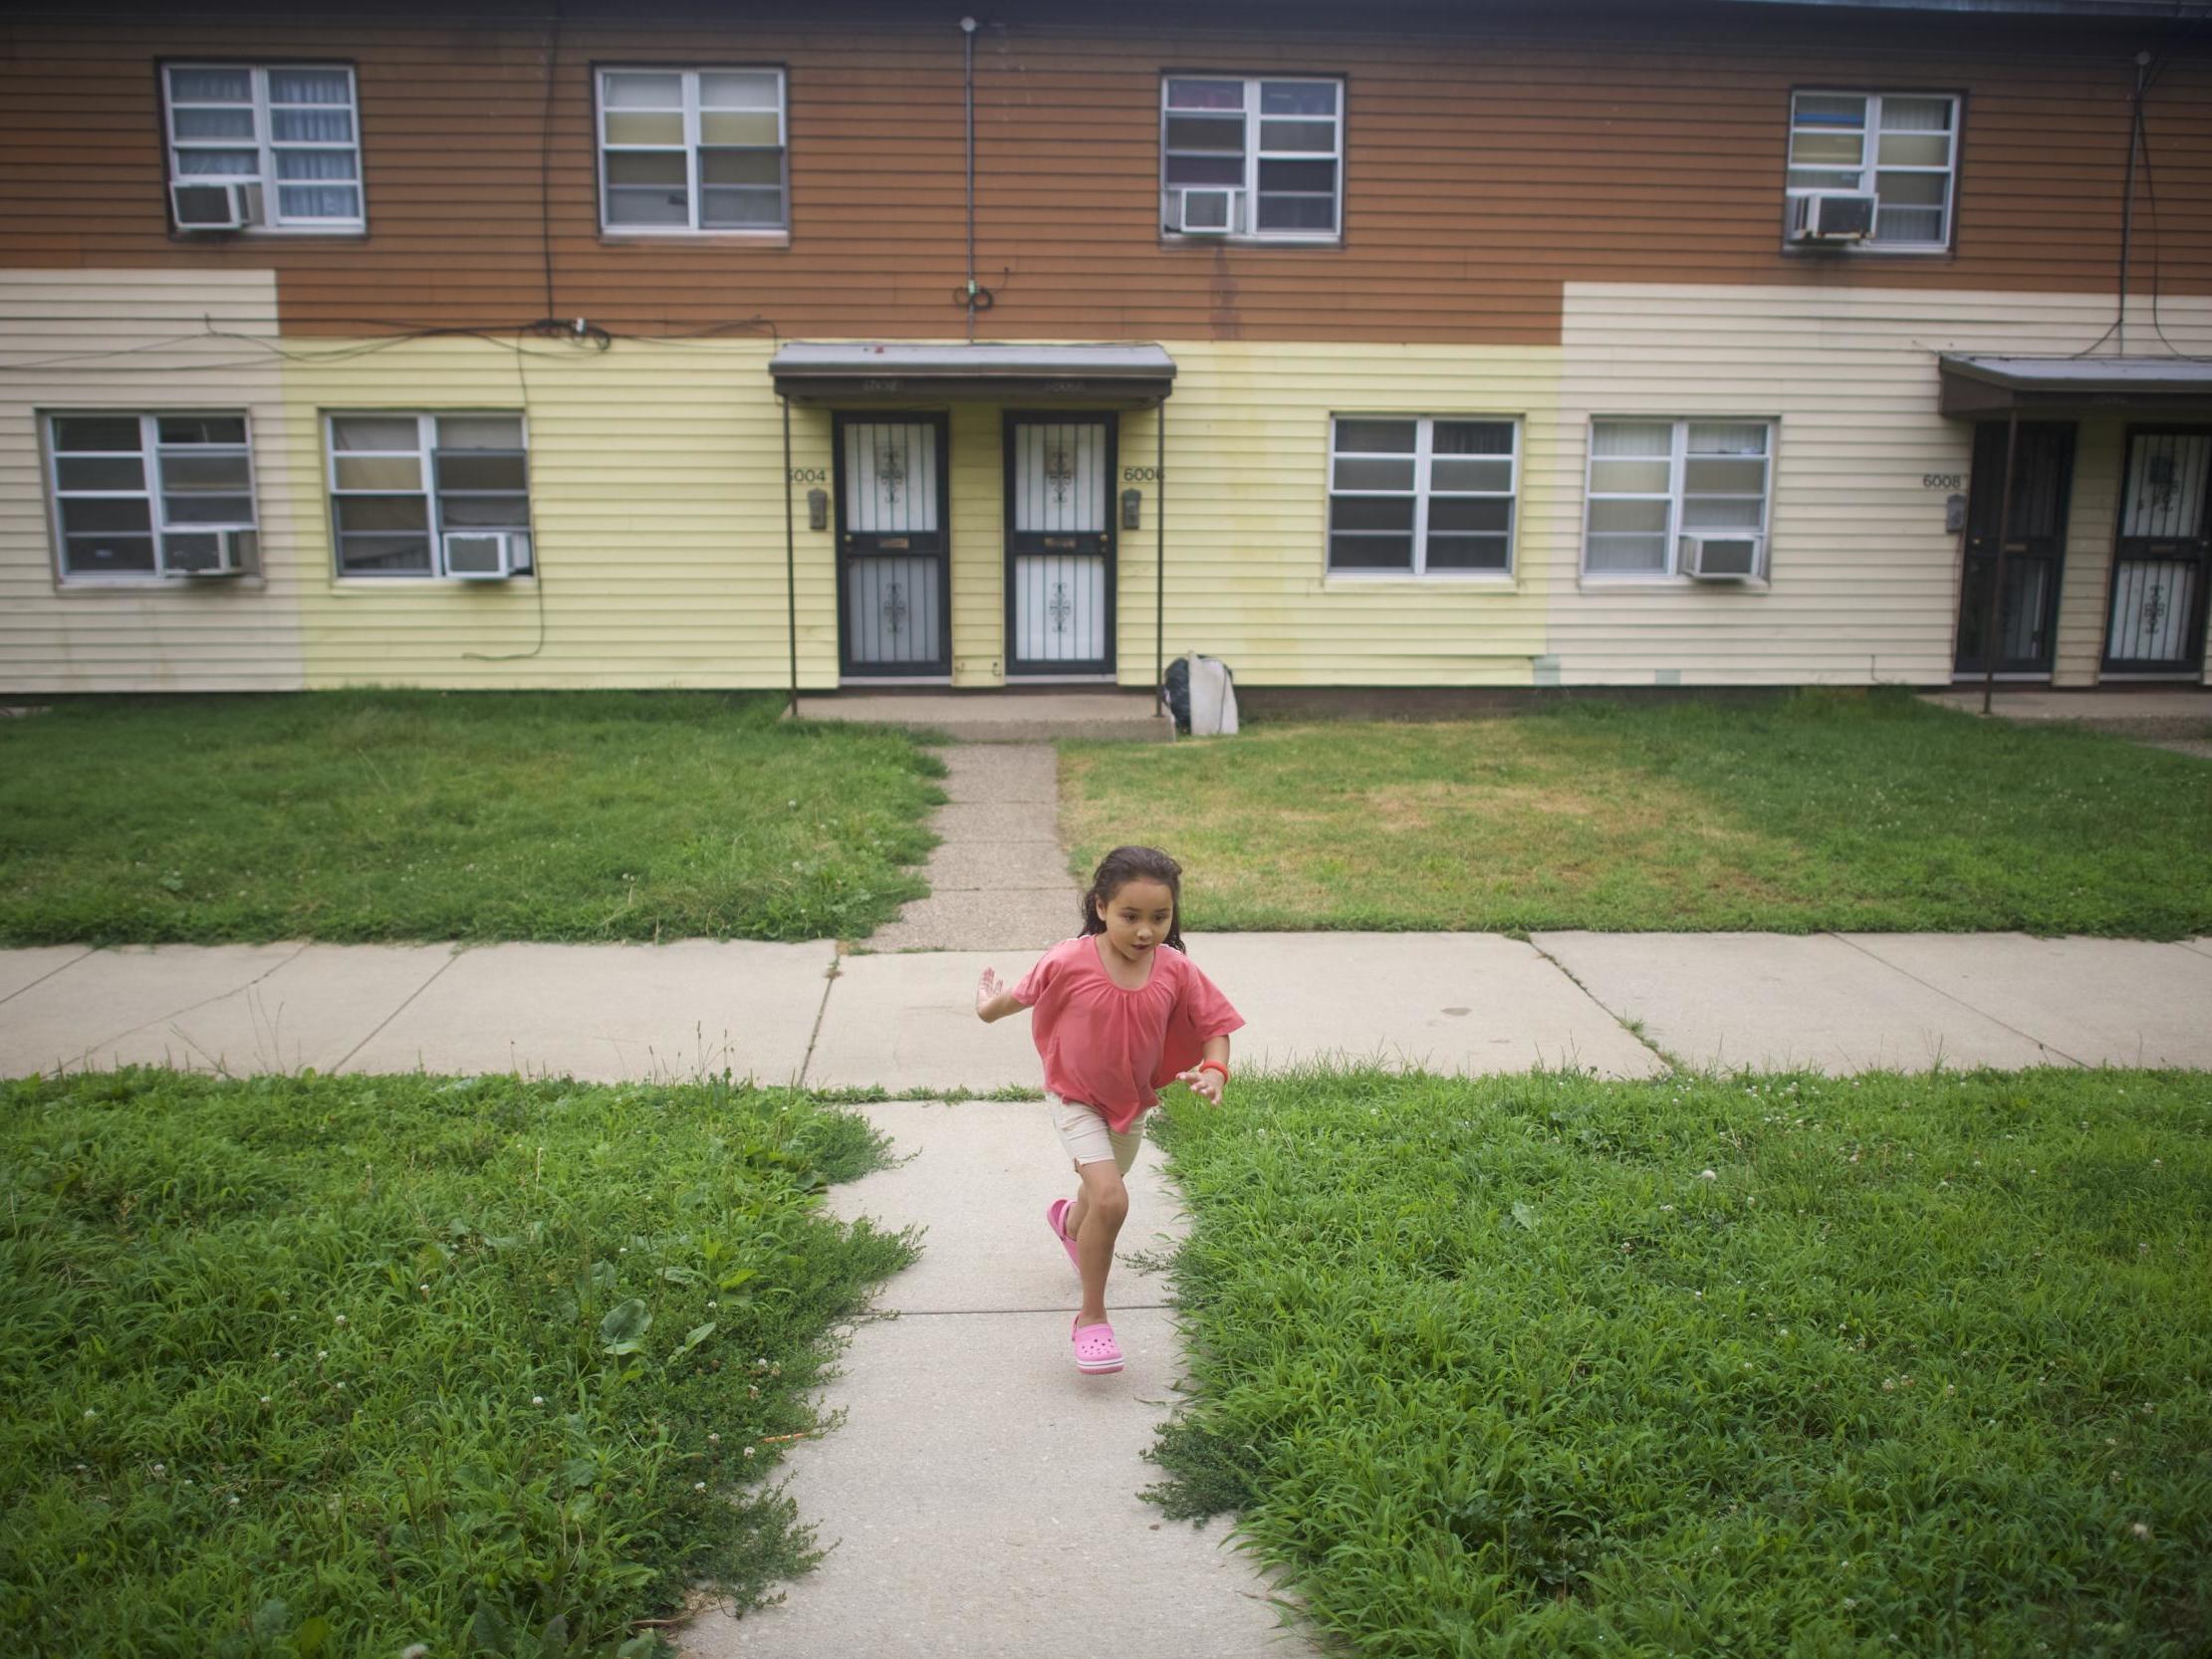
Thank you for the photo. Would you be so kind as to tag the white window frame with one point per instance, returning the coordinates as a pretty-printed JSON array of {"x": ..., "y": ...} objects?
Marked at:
[
  {"x": 425, "y": 456},
  {"x": 150, "y": 452},
  {"x": 1678, "y": 454},
  {"x": 1245, "y": 228},
  {"x": 692, "y": 144},
  {"x": 1422, "y": 455},
  {"x": 1870, "y": 167},
  {"x": 274, "y": 220}
]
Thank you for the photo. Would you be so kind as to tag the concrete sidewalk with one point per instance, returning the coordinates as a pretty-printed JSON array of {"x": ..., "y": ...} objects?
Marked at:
[
  {"x": 980, "y": 1499},
  {"x": 1463, "y": 1003}
]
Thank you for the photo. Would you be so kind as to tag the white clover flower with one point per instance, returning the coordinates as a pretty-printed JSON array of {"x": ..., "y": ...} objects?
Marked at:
[
  {"x": 537, "y": 1399},
  {"x": 159, "y": 1470},
  {"x": 2140, "y": 1529},
  {"x": 698, "y": 1485},
  {"x": 341, "y": 1319},
  {"x": 415, "y": 1650},
  {"x": 340, "y": 1386},
  {"x": 322, "y": 1353},
  {"x": 89, "y": 1414},
  {"x": 264, "y": 1399},
  {"x": 234, "y": 1502},
  {"x": 748, "y": 1451},
  {"x": 1709, "y": 1175},
  {"x": 710, "y": 1305},
  {"x": 752, "y": 1394},
  {"x": 713, "y": 1439}
]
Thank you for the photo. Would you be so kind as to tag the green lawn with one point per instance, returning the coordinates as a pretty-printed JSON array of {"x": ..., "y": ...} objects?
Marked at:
[
  {"x": 1923, "y": 1366},
  {"x": 355, "y": 816},
  {"x": 1799, "y": 814},
  {"x": 335, "y": 1365}
]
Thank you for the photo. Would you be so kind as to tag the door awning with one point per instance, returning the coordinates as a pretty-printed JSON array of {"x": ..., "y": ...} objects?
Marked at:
[
  {"x": 871, "y": 371},
  {"x": 1978, "y": 385}
]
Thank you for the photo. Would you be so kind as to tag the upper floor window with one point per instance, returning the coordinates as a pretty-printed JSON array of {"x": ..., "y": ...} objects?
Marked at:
[
  {"x": 1678, "y": 498},
  {"x": 1254, "y": 159},
  {"x": 1899, "y": 148},
  {"x": 283, "y": 135},
  {"x": 688, "y": 150},
  {"x": 1425, "y": 495},
  {"x": 431, "y": 495},
  {"x": 151, "y": 494}
]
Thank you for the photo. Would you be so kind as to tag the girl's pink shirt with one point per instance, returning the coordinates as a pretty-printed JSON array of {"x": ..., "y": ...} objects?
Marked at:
[{"x": 1112, "y": 1049}]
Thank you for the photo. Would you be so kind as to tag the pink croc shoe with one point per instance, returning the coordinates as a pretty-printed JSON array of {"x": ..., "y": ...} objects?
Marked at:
[
  {"x": 1056, "y": 1217},
  {"x": 1097, "y": 1352}
]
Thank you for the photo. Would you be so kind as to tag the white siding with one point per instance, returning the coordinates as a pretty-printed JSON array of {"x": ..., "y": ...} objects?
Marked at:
[{"x": 140, "y": 341}]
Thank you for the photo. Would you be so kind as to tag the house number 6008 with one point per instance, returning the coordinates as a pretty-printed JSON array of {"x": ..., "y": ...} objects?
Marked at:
[{"x": 1942, "y": 481}]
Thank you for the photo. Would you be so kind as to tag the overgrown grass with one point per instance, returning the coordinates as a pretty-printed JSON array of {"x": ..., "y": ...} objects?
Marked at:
[
  {"x": 334, "y": 1365},
  {"x": 1809, "y": 811},
  {"x": 1772, "y": 1366},
  {"x": 350, "y": 816}
]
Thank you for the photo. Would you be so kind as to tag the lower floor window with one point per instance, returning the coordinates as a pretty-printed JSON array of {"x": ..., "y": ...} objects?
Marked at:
[
  {"x": 1422, "y": 495},
  {"x": 431, "y": 495},
  {"x": 150, "y": 496},
  {"x": 1667, "y": 497}
]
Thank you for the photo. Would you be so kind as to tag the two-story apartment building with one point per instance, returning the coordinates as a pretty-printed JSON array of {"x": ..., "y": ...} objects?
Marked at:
[{"x": 1450, "y": 344}]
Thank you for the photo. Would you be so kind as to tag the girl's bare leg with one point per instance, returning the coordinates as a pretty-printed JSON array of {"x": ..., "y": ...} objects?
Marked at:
[{"x": 1093, "y": 1221}]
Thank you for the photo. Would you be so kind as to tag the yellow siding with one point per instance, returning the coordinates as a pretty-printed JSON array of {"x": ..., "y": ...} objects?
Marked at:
[
  {"x": 2085, "y": 585},
  {"x": 657, "y": 511},
  {"x": 659, "y": 495},
  {"x": 978, "y": 521},
  {"x": 1247, "y": 516},
  {"x": 1864, "y": 583},
  {"x": 140, "y": 341}
]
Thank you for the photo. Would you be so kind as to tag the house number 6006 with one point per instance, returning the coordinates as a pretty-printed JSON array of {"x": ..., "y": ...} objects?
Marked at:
[{"x": 1139, "y": 475}]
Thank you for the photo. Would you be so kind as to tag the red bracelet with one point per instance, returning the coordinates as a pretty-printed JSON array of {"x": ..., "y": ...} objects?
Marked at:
[{"x": 1214, "y": 1065}]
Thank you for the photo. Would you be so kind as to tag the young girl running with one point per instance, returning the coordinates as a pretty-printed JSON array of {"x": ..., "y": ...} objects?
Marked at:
[{"x": 1116, "y": 1017}]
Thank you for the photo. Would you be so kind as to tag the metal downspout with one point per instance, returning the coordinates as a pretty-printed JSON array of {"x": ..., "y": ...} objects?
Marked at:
[{"x": 1159, "y": 559}]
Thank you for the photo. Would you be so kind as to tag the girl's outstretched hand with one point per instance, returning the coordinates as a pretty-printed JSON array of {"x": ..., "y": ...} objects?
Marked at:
[
  {"x": 1203, "y": 1081},
  {"x": 987, "y": 991}
]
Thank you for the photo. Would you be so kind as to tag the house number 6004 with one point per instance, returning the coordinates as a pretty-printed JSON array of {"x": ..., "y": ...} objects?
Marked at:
[{"x": 810, "y": 475}]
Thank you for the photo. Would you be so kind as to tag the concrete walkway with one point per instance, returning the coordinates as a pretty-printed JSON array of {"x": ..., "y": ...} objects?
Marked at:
[
  {"x": 1455, "y": 1003},
  {"x": 998, "y": 878},
  {"x": 982, "y": 1496}
]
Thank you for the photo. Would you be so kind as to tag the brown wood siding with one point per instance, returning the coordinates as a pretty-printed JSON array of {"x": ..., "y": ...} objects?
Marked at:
[{"x": 1489, "y": 160}]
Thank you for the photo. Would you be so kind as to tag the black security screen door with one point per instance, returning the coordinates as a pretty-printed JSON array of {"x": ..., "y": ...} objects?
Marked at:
[
  {"x": 2035, "y": 551},
  {"x": 894, "y": 619},
  {"x": 2162, "y": 557},
  {"x": 1059, "y": 543}
]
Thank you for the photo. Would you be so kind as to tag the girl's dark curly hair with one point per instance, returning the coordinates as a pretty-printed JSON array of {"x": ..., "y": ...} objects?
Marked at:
[{"x": 1134, "y": 864}]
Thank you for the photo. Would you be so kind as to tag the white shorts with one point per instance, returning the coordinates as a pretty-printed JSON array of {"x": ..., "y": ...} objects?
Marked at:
[{"x": 1088, "y": 1139}]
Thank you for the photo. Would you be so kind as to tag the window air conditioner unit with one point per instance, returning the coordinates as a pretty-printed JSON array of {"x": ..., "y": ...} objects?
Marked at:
[
  {"x": 1205, "y": 212},
  {"x": 481, "y": 555},
  {"x": 1722, "y": 558},
  {"x": 209, "y": 553},
  {"x": 1831, "y": 216},
  {"x": 225, "y": 206}
]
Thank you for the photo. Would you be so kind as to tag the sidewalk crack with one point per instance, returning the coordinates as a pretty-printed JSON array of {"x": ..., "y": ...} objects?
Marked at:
[
  {"x": 452, "y": 956},
  {"x": 49, "y": 974},
  {"x": 820, "y": 1013},
  {"x": 175, "y": 1014},
  {"x": 1634, "y": 1028},
  {"x": 1952, "y": 997}
]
